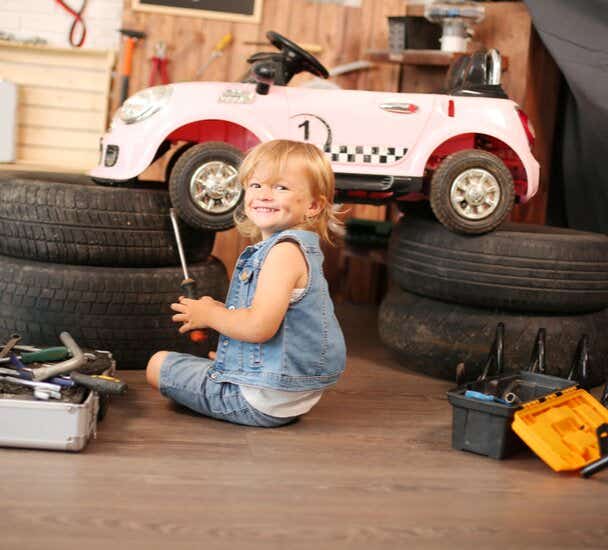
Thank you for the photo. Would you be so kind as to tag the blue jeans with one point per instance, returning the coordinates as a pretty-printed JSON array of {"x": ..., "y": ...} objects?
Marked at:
[{"x": 183, "y": 378}]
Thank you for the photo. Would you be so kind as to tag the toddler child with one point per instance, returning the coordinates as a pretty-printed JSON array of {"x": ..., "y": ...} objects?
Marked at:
[{"x": 280, "y": 343}]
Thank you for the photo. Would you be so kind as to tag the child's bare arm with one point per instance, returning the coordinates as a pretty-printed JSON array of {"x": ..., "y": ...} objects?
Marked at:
[{"x": 284, "y": 269}]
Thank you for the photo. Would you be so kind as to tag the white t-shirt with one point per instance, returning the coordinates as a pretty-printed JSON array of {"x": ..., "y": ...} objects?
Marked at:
[{"x": 281, "y": 403}]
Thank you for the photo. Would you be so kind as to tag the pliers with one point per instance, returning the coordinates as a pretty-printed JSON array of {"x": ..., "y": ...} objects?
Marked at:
[{"x": 159, "y": 64}]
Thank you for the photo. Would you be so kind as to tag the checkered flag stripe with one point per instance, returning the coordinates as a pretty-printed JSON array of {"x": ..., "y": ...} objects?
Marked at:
[{"x": 365, "y": 154}]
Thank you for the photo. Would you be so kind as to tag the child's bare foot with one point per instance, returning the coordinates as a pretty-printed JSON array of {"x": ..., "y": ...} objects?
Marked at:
[{"x": 212, "y": 355}]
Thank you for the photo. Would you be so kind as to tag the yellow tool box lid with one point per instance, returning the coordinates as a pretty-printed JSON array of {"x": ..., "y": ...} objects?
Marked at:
[{"x": 561, "y": 428}]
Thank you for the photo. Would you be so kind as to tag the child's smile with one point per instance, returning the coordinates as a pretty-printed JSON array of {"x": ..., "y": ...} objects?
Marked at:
[{"x": 281, "y": 204}]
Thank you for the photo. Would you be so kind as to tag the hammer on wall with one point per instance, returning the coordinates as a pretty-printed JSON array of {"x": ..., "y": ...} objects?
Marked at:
[{"x": 131, "y": 38}]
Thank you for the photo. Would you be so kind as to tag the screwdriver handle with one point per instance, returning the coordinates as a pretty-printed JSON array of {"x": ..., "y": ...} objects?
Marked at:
[
  {"x": 189, "y": 288},
  {"x": 58, "y": 353},
  {"x": 100, "y": 384}
]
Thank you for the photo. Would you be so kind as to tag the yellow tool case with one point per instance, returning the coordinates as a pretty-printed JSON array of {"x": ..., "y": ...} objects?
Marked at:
[{"x": 567, "y": 429}]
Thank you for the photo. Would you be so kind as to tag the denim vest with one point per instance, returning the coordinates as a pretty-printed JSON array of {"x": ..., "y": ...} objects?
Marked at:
[{"x": 308, "y": 351}]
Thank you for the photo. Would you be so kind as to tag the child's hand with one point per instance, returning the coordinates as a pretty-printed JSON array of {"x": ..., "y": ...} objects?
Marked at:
[
  {"x": 194, "y": 314},
  {"x": 212, "y": 355}
]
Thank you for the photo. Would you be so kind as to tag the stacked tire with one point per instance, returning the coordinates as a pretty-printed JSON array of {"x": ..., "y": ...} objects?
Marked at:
[
  {"x": 449, "y": 292},
  {"x": 98, "y": 262}
]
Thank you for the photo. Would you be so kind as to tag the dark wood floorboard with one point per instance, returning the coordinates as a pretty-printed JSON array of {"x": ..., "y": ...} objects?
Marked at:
[{"x": 370, "y": 467}]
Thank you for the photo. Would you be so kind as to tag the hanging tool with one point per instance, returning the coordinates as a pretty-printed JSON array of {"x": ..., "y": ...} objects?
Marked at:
[
  {"x": 188, "y": 285},
  {"x": 78, "y": 22},
  {"x": 159, "y": 65},
  {"x": 218, "y": 51},
  {"x": 131, "y": 38}
]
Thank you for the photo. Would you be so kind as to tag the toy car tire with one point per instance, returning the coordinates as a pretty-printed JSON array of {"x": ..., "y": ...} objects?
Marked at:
[
  {"x": 520, "y": 267},
  {"x": 200, "y": 200},
  {"x": 65, "y": 218},
  {"x": 433, "y": 337},
  {"x": 472, "y": 192},
  {"x": 123, "y": 310}
]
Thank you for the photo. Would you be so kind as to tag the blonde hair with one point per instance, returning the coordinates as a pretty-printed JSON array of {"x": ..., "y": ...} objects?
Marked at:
[{"x": 316, "y": 168}]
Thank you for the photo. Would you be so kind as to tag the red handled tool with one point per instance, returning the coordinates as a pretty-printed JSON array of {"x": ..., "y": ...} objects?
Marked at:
[
  {"x": 159, "y": 65},
  {"x": 188, "y": 285}
]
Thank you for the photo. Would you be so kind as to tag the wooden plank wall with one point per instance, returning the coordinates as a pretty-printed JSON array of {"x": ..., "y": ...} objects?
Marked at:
[
  {"x": 63, "y": 98},
  {"x": 344, "y": 33}
]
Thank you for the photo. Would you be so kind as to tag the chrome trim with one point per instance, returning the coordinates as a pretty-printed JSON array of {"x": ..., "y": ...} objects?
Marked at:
[
  {"x": 475, "y": 194},
  {"x": 235, "y": 95},
  {"x": 494, "y": 64},
  {"x": 400, "y": 108},
  {"x": 215, "y": 188}
]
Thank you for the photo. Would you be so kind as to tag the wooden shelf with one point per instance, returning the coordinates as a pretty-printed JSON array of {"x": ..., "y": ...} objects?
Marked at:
[
  {"x": 413, "y": 57},
  {"x": 435, "y": 58}
]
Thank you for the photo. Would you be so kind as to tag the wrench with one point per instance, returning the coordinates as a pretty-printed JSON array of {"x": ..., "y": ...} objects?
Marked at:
[{"x": 78, "y": 359}]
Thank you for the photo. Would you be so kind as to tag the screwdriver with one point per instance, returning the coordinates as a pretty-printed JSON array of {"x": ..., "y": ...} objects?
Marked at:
[
  {"x": 218, "y": 51},
  {"x": 188, "y": 285},
  {"x": 99, "y": 383},
  {"x": 41, "y": 356}
]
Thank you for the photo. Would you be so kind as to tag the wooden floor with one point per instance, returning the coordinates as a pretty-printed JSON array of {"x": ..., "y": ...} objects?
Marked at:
[{"x": 370, "y": 467}]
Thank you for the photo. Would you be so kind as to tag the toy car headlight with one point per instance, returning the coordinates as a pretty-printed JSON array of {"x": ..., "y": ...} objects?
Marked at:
[{"x": 144, "y": 104}]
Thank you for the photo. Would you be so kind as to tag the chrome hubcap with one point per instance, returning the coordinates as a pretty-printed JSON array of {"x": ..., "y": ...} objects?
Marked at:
[
  {"x": 214, "y": 187},
  {"x": 475, "y": 194}
]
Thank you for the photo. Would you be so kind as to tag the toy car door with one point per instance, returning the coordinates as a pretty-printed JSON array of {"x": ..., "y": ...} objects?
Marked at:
[{"x": 361, "y": 132}]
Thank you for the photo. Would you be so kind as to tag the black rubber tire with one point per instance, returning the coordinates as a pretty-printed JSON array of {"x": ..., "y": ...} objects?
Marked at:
[
  {"x": 519, "y": 267},
  {"x": 122, "y": 310},
  {"x": 181, "y": 174},
  {"x": 432, "y": 337},
  {"x": 449, "y": 169},
  {"x": 68, "y": 219}
]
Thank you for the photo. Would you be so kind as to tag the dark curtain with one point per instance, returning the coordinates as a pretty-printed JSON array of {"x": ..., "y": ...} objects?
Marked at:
[{"x": 576, "y": 34}]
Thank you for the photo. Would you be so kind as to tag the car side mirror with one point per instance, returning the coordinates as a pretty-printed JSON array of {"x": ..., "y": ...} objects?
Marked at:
[{"x": 264, "y": 76}]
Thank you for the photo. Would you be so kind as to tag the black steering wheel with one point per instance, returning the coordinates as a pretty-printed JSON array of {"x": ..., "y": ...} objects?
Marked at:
[{"x": 297, "y": 57}]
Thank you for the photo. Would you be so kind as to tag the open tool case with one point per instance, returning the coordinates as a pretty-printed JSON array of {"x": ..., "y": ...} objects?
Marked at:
[
  {"x": 65, "y": 425},
  {"x": 484, "y": 426},
  {"x": 568, "y": 430}
]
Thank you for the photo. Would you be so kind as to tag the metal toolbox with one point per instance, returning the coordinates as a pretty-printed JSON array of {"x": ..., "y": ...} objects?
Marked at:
[{"x": 53, "y": 425}]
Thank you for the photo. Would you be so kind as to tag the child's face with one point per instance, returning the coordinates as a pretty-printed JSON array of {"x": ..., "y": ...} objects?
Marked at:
[{"x": 282, "y": 204}]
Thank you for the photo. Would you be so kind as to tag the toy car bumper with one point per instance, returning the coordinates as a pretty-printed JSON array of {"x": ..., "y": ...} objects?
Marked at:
[{"x": 533, "y": 174}]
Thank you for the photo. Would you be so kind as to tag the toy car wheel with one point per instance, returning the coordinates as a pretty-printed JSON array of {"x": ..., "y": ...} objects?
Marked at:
[
  {"x": 472, "y": 192},
  {"x": 204, "y": 185}
]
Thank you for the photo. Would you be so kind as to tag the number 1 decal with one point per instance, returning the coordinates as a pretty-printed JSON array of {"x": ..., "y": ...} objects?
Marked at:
[
  {"x": 311, "y": 128},
  {"x": 306, "y": 125}
]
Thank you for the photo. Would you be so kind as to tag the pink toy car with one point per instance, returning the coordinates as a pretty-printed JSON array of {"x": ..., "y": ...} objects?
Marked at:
[{"x": 466, "y": 150}]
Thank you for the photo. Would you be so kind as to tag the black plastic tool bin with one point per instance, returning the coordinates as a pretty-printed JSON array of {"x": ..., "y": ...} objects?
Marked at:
[{"x": 484, "y": 427}]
